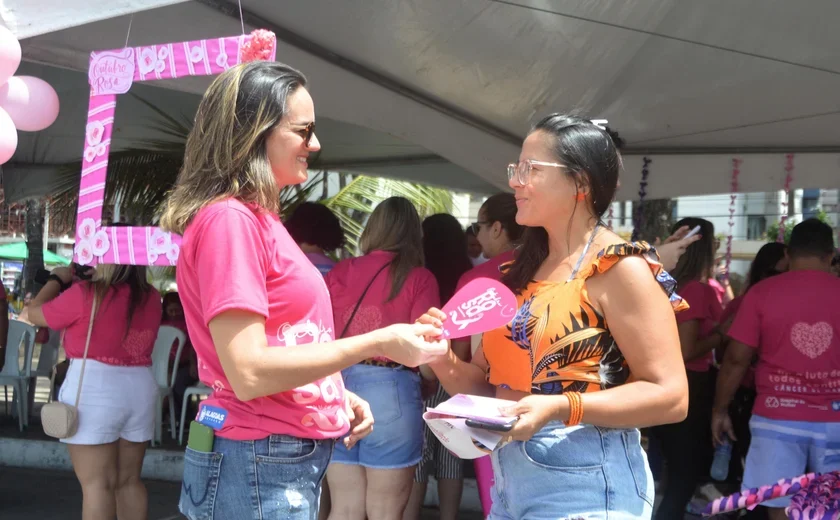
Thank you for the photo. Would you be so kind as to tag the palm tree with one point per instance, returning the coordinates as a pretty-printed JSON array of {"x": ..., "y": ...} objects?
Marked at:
[{"x": 140, "y": 177}]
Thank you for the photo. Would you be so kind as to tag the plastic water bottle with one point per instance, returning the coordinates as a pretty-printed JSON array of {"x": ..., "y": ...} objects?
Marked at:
[{"x": 720, "y": 464}]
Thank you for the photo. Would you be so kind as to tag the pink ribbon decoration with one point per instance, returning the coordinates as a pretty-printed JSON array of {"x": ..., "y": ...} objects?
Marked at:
[
  {"x": 820, "y": 500},
  {"x": 788, "y": 179},
  {"x": 749, "y": 498},
  {"x": 733, "y": 197}
]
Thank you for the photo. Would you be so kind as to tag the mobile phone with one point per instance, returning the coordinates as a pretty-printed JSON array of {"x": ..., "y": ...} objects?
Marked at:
[
  {"x": 201, "y": 437},
  {"x": 692, "y": 232},
  {"x": 492, "y": 426},
  {"x": 81, "y": 271}
]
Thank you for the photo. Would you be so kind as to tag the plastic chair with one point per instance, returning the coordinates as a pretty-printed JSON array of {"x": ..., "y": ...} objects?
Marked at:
[
  {"x": 199, "y": 389},
  {"x": 20, "y": 342},
  {"x": 165, "y": 380},
  {"x": 47, "y": 359}
]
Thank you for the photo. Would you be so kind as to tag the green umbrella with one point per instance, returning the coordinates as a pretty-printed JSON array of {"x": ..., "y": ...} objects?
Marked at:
[{"x": 17, "y": 251}]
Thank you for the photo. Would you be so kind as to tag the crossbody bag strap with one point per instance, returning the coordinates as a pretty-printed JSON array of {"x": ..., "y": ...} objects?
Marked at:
[
  {"x": 358, "y": 303},
  {"x": 87, "y": 345}
]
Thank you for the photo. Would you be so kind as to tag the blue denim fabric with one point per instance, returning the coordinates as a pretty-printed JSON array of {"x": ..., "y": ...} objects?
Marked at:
[
  {"x": 576, "y": 473},
  {"x": 276, "y": 477},
  {"x": 397, "y": 406}
]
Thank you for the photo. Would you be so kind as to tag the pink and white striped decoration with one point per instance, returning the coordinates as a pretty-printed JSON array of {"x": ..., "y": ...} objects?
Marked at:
[{"x": 112, "y": 73}]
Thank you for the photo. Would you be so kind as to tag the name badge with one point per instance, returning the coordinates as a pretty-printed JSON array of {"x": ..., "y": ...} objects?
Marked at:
[{"x": 212, "y": 417}]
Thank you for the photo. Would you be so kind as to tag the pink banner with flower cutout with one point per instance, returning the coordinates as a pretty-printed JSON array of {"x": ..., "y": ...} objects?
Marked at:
[{"x": 111, "y": 73}]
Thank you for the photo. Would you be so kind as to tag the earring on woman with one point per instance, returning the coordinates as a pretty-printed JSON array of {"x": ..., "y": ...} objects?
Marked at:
[{"x": 580, "y": 196}]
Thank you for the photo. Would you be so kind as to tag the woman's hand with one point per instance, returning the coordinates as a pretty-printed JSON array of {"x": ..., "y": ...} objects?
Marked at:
[
  {"x": 24, "y": 316},
  {"x": 413, "y": 345},
  {"x": 361, "y": 418},
  {"x": 434, "y": 317},
  {"x": 674, "y": 246},
  {"x": 534, "y": 412}
]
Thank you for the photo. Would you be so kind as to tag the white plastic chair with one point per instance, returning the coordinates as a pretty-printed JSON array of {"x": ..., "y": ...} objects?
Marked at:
[
  {"x": 199, "y": 389},
  {"x": 47, "y": 359},
  {"x": 20, "y": 342},
  {"x": 165, "y": 380}
]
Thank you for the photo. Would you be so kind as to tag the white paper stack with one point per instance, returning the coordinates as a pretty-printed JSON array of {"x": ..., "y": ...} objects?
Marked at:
[{"x": 448, "y": 422}]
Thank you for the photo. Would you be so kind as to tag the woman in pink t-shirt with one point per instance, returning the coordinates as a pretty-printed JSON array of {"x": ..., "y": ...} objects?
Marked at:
[
  {"x": 117, "y": 400},
  {"x": 387, "y": 285},
  {"x": 258, "y": 312},
  {"x": 699, "y": 335},
  {"x": 317, "y": 231}
]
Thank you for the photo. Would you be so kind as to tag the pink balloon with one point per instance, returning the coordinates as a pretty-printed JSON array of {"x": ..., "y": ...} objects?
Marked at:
[
  {"x": 8, "y": 137},
  {"x": 31, "y": 102},
  {"x": 9, "y": 54}
]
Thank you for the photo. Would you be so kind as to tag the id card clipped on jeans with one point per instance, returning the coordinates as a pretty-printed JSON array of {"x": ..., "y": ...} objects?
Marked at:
[{"x": 202, "y": 432}]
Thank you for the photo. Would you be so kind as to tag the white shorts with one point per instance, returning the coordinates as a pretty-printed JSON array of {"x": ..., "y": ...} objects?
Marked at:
[{"x": 116, "y": 402}]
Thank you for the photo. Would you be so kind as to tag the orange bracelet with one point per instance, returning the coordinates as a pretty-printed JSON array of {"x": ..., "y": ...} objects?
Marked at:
[{"x": 575, "y": 408}]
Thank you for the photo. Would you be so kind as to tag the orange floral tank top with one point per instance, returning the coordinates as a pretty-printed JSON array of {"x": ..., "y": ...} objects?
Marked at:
[{"x": 557, "y": 341}]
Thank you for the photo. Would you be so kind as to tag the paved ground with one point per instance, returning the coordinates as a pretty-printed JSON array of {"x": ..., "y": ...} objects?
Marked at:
[{"x": 50, "y": 495}]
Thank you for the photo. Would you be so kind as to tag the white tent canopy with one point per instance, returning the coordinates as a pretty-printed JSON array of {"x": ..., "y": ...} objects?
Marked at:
[{"x": 443, "y": 91}]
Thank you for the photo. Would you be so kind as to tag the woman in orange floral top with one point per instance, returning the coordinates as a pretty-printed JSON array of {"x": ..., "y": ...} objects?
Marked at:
[{"x": 593, "y": 352}]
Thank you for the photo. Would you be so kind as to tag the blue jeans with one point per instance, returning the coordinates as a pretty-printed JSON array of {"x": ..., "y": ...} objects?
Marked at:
[
  {"x": 581, "y": 472},
  {"x": 276, "y": 477},
  {"x": 397, "y": 406}
]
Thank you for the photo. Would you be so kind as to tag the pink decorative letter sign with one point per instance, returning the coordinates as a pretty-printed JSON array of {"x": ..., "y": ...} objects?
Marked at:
[{"x": 113, "y": 72}]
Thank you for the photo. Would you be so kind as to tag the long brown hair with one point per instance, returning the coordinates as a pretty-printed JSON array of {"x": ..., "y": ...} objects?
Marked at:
[
  {"x": 590, "y": 153},
  {"x": 501, "y": 208},
  {"x": 226, "y": 149},
  {"x": 395, "y": 226},
  {"x": 109, "y": 276},
  {"x": 698, "y": 259},
  {"x": 445, "y": 248}
]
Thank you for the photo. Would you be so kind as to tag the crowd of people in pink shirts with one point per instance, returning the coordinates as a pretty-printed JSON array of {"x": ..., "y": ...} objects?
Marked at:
[{"x": 609, "y": 338}]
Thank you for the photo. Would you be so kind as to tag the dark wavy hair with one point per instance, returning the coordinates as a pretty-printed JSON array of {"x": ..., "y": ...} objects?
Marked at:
[
  {"x": 699, "y": 257},
  {"x": 315, "y": 224},
  {"x": 764, "y": 264},
  {"x": 445, "y": 248},
  {"x": 590, "y": 153},
  {"x": 501, "y": 208}
]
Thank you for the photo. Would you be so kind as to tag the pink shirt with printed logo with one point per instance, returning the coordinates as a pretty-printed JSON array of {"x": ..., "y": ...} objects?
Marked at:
[
  {"x": 348, "y": 279},
  {"x": 793, "y": 320},
  {"x": 238, "y": 257},
  {"x": 112, "y": 340},
  {"x": 704, "y": 307}
]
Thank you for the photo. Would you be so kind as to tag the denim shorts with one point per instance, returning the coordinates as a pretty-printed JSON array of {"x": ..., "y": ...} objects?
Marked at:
[
  {"x": 783, "y": 449},
  {"x": 276, "y": 477},
  {"x": 397, "y": 406},
  {"x": 581, "y": 472}
]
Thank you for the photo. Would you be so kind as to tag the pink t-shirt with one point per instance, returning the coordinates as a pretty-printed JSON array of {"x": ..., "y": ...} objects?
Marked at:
[
  {"x": 729, "y": 312},
  {"x": 705, "y": 308},
  {"x": 348, "y": 280},
  {"x": 180, "y": 324},
  {"x": 793, "y": 319},
  {"x": 237, "y": 257},
  {"x": 110, "y": 342},
  {"x": 489, "y": 269}
]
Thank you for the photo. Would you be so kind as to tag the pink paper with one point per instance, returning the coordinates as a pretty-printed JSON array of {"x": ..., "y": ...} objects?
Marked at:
[{"x": 481, "y": 305}]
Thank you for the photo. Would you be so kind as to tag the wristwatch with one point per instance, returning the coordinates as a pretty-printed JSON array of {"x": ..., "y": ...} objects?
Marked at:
[{"x": 63, "y": 286}]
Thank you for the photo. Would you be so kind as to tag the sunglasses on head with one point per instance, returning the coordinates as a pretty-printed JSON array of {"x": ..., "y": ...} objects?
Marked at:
[{"x": 306, "y": 132}]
